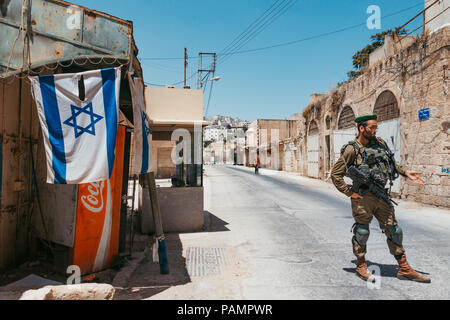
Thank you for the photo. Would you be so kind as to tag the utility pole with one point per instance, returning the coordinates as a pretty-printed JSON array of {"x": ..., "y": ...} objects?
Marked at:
[
  {"x": 185, "y": 65},
  {"x": 201, "y": 70}
]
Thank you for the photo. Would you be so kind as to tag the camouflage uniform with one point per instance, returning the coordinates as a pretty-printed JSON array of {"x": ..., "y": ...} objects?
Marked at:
[{"x": 365, "y": 209}]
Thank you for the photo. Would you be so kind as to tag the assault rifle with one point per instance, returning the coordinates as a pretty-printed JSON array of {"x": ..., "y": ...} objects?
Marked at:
[{"x": 363, "y": 183}]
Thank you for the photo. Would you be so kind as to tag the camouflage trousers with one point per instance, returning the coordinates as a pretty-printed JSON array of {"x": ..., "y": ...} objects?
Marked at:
[{"x": 363, "y": 211}]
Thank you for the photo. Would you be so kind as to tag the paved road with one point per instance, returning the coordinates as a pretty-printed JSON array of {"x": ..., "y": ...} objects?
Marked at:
[
  {"x": 288, "y": 237},
  {"x": 294, "y": 234}
]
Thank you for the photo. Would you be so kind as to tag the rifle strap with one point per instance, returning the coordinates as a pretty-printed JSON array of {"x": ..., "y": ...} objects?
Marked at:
[{"x": 355, "y": 146}]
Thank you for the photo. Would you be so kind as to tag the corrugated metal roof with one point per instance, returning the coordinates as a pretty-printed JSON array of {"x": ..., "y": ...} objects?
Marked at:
[{"x": 57, "y": 30}]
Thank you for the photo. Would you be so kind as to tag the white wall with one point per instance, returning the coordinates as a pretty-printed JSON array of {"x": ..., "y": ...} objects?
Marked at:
[
  {"x": 174, "y": 104},
  {"x": 440, "y": 21}
]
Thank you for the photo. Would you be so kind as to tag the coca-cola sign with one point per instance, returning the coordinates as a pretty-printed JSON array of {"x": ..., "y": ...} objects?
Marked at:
[{"x": 94, "y": 201}]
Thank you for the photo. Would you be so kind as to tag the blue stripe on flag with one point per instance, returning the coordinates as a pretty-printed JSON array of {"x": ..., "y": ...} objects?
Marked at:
[
  {"x": 144, "y": 167},
  {"x": 47, "y": 84},
  {"x": 109, "y": 100}
]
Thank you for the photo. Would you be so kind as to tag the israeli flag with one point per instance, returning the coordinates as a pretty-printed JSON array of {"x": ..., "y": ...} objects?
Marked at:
[
  {"x": 142, "y": 150},
  {"x": 79, "y": 136}
]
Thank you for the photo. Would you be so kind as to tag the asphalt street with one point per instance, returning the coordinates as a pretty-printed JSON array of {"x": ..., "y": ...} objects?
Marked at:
[{"x": 288, "y": 237}]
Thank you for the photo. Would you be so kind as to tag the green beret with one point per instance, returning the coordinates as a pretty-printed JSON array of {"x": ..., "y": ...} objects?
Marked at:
[{"x": 366, "y": 118}]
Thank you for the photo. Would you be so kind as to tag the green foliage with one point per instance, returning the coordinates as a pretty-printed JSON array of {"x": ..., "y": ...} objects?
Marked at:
[
  {"x": 353, "y": 74},
  {"x": 361, "y": 57}
]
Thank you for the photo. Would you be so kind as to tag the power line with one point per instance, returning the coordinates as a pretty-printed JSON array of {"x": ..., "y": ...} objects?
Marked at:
[
  {"x": 319, "y": 35},
  {"x": 209, "y": 98},
  {"x": 261, "y": 28},
  {"x": 250, "y": 27},
  {"x": 294, "y": 41},
  {"x": 289, "y": 42},
  {"x": 173, "y": 84}
]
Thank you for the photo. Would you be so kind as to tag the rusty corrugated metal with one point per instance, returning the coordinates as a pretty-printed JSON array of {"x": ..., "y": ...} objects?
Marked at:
[{"x": 59, "y": 31}]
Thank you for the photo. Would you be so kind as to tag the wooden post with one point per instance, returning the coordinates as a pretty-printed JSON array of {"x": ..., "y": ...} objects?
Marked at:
[{"x": 159, "y": 233}]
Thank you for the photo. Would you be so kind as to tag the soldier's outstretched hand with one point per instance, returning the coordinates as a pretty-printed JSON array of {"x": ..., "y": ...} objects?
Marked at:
[{"x": 415, "y": 177}]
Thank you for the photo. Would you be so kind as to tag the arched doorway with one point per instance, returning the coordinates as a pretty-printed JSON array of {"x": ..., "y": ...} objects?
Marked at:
[
  {"x": 312, "y": 145},
  {"x": 346, "y": 118},
  {"x": 386, "y": 108},
  {"x": 346, "y": 131}
]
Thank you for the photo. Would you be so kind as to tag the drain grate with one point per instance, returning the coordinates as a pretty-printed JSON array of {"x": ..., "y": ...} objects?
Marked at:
[{"x": 205, "y": 261}]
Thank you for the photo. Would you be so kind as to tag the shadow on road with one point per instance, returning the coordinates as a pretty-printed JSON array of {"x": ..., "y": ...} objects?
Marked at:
[
  {"x": 213, "y": 223},
  {"x": 147, "y": 281},
  {"x": 386, "y": 270}
]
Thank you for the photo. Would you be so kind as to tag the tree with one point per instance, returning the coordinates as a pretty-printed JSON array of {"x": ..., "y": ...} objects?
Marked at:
[{"x": 361, "y": 57}]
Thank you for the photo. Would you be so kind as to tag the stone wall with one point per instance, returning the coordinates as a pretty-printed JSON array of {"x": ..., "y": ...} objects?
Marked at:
[{"x": 418, "y": 76}]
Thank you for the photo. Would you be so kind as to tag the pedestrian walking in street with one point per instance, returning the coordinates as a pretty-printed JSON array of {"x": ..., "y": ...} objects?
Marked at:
[
  {"x": 371, "y": 156},
  {"x": 257, "y": 164}
]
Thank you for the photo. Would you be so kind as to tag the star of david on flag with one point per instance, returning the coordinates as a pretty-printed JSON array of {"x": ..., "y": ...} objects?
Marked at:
[
  {"x": 142, "y": 152},
  {"x": 79, "y": 136},
  {"x": 76, "y": 111}
]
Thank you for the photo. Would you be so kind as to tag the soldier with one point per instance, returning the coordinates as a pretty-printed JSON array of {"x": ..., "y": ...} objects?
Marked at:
[{"x": 371, "y": 154}]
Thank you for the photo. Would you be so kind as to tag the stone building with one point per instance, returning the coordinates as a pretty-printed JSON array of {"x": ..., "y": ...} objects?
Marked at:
[
  {"x": 266, "y": 136},
  {"x": 399, "y": 88}
]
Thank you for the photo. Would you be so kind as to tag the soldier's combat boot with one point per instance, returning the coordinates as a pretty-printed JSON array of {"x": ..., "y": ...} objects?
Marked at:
[
  {"x": 405, "y": 272},
  {"x": 362, "y": 271}
]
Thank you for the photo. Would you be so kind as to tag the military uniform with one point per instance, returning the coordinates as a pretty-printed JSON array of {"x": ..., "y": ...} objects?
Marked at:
[
  {"x": 363, "y": 210},
  {"x": 376, "y": 160}
]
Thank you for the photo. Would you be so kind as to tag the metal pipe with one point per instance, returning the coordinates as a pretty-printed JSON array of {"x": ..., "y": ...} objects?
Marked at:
[{"x": 423, "y": 11}]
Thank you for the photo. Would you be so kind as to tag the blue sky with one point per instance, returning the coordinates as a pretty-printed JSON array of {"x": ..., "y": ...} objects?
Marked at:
[{"x": 268, "y": 84}]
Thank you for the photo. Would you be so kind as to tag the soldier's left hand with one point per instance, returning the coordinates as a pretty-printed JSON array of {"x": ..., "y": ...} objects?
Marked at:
[{"x": 415, "y": 177}]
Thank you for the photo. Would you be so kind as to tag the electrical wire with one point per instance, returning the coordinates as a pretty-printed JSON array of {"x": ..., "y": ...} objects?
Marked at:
[
  {"x": 223, "y": 52},
  {"x": 319, "y": 35},
  {"x": 173, "y": 84},
  {"x": 294, "y": 41},
  {"x": 251, "y": 27},
  {"x": 255, "y": 28},
  {"x": 260, "y": 29},
  {"x": 209, "y": 98}
]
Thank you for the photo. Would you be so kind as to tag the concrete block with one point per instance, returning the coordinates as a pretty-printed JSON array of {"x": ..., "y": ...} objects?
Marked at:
[
  {"x": 181, "y": 210},
  {"x": 84, "y": 291}
]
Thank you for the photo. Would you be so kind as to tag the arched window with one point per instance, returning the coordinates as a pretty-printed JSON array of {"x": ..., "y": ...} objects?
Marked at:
[
  {"x": 346, "y": 118},
  {"x": 313, "y": 128},
  {"x": 386, "y": 106}
]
